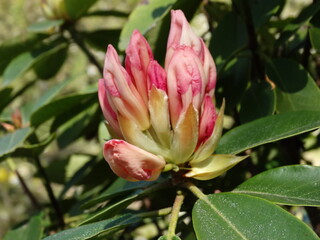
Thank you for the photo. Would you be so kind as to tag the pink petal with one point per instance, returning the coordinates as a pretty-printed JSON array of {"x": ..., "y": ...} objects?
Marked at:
[
  {"x": 131, "y": 162},
  {"x": 157, "y": 76}
]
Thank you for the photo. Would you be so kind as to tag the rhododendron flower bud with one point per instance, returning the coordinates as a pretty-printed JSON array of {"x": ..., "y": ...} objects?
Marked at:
[
  {"x": 131, "y": 162},
  {"x": 164, "y": 115}
]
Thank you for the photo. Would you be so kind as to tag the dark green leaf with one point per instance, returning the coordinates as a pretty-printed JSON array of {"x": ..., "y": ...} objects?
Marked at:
[
  {"x": 295, "y": 88},
  {"x": 108, "y": 13},
  {"x": 48, "y": 66},
  {"x": 10, "y": 141},
  {"x": 91, "y": 230},
  {"x": 289, "y": 185},
  {"x": 235, "y": 216},
  {"x": 59, "y": 106},
  {"x": 314, "y": 32},
  {"x": 27, "y": 59},
  {"x": 77, "y": 8},
  {"x": 45, "y": 25},
  {"x": 119, "y": 187},
  {"x": 143, "y": 18},
  {"x": 101, "y": 38},
  {"x": 268, "y": 129},
  {"x": 258, "y": 101},
  {"x": 5, "y": 96},
  {"x": 229, "y": 37},
  {"x": 169, "y": 238},
  {"x": 32, "y": 230},
  {"x": 234, "y": 79},
  {"x": 262, "y": 11}
]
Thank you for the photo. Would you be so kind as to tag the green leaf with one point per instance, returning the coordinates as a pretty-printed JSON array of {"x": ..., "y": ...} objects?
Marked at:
[
  {"x": 101, "y": 38},
  {"x": 234, "y": 79},
  {"x": 143, "y": 18},
  {"x": 77, "y": 8},
  {"x": 258, "y": 101},
  {"x": 289, "y": 185},
  {"x": 235, "y": 216},
  {"x": 91, "y": 230},
  {"x": 11, "y": 141},
  {"x": 169, "y": 238},
  {"x": 5, "y": 96},
  {"x": 314, "y": 32},
  {"x": 262, "y": 11},
  {"x": 119, "y": 187},
  {"x": 14, "y": 47},
  {"x": 295, "y": 88},
  {"x": 48, "y": 66},
  {"x": 268, "y": 129},
  {"x": 228, "y": 38},
  {"x": 45, "y": 25},
  {"x": 26, "y": 60},
  {"x": 59, "y": 106},
  {"x": 32, "y": 230}
]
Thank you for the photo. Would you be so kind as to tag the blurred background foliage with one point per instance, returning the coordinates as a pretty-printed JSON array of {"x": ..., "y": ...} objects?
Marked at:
[{"x": 268, "y": 62}]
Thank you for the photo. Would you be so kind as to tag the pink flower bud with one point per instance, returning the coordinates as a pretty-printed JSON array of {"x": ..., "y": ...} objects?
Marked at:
[
  {"x": 207, "y": 119},
  {"x": 123, "y": 94},
  {"x": 131, "y": 162},
  {"x": 185, "y": 82},
  {"x": 138, "y": 57},
  {"x": 157, "y": 76}
]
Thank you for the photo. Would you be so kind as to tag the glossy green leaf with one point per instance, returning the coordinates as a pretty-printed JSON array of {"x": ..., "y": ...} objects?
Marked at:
[
  {"x": 143, "y": 18},
  {"x": 236, "y": 216},
  {"x": 119, "y": 187},
  {"x": 289, "y": 185},
  {"x": 59, "y": 106},
  {"x": 258, "y": 101},
  {"x": 295, "y": 88},
  {"x": 77, "y": 8},
  {"x": 32, "y": 230},
  {"x": 10, "y": 141},
  {"x": 229, "y": 37},
  {"x": 94, "y": 229},
  {"x": 45, "y": 25},
  {"x": 262, "y": 11},
  {"x": 27, "y": 59},
  {"x": 268, "y": 129}
]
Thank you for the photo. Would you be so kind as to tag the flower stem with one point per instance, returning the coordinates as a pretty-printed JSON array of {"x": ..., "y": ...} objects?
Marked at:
[
  {"x": 160, "y": 212},
  {"x": 175, "y": 214},
  {"x": 53, "y": 200},
  {"x": 195, "y": 190}
]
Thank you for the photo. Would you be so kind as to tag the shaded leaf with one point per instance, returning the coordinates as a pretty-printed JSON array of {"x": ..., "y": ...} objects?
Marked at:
[
  {"x": 59, "y": 106},
  {"x": 268, "y": 129},
  {"x": 45, "y": 25},
  {"x": 77, "y": 8},
  {"x": 289, "y": 185},
  {"x": 262, "y": 11},
  {"x": 295, "y": 88},
  {"x": 143, "y": 18},
  {"x": 101, "y": 38},
  {"x": 235, "y": 216},
  {"x": 91, "y": 230},
  {"x": 10, "y": 141},
  {"x": 27, "y": 59},
  {"x": 32, "y": 230},
  {"x": 258, "y": 101}
]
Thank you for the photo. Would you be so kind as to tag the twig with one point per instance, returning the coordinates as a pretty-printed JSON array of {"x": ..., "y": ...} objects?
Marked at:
[{"x": 175, "y": 215}]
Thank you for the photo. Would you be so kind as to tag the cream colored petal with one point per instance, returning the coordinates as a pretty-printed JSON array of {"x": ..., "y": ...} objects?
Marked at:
[
  {"x": 135, "y": 136},
  {"x": 185, "y": 136},
  {"x": 159, "y": 115},
  {"x": 209, "y": 146},
  {"x": 213, "y": 166}
]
